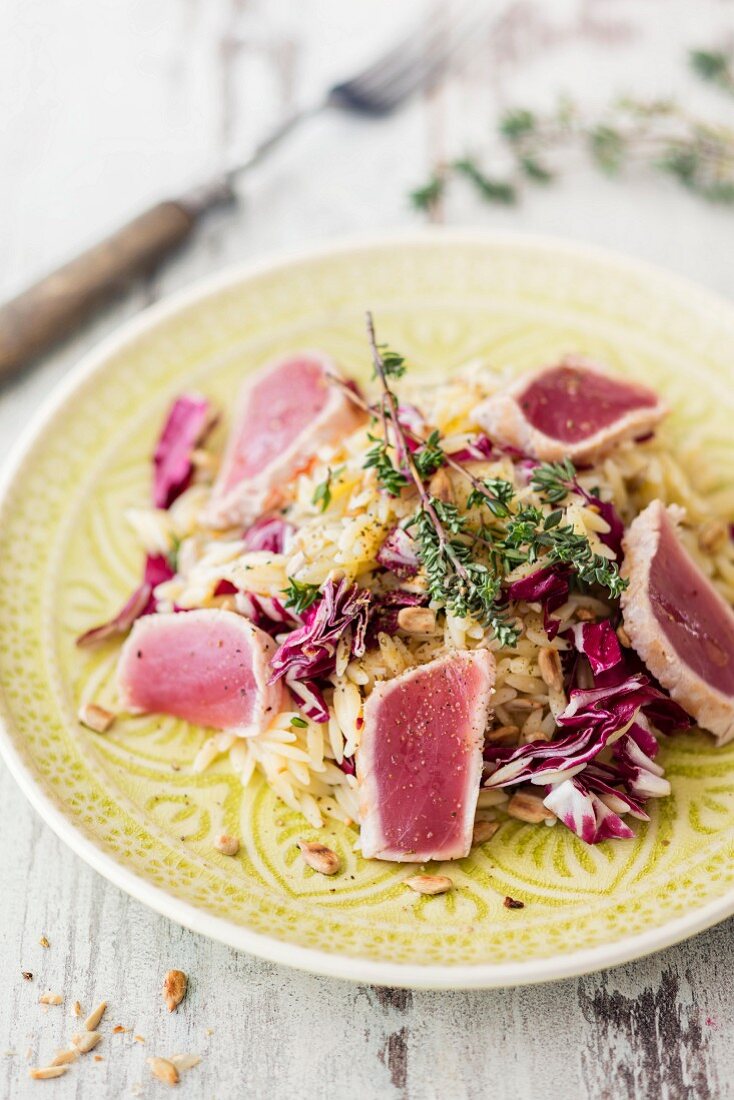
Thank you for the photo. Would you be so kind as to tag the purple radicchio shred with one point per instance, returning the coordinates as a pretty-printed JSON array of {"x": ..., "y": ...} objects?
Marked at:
[
  {"x": 548, "y": 586},
  {"x": 225, "y": 588},
  {"x": 411, "y": 418},
  {"x": 309, "y": 652},
  {"x": 613, "y": 537},
  {"x": 385, "y": 610},
  {"x": 270, "y": 533},
  {"x": 582, "y": 810},
  {"x": 141, "y": 602},
  {"x": 398, "y": 554},
  {"x": 599, "y": 644},
  {"x": 587, "y": 794},
  {"x": 309, "y": 697},
  {"x": 347, "y": 765},
  {"x": 266, "y": 612},
  {"x": 475, "y": 450},
  {"x": 188, "y": 422}
]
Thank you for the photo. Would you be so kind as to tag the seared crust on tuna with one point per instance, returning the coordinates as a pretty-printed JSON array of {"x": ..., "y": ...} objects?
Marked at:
[
  {"x": 678, "y": 623},
  {"x": 572, "y": 409}
]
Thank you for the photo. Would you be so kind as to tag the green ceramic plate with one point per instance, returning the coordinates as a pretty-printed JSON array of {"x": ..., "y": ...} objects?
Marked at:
[{"x": 67, "y": 560}]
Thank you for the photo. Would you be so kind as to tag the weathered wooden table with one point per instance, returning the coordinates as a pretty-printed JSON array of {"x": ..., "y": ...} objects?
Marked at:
[{"x": 109, "y": 106}]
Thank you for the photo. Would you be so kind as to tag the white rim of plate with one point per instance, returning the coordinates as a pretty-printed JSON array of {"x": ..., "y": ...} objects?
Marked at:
[{"x": 312, "y": 960}]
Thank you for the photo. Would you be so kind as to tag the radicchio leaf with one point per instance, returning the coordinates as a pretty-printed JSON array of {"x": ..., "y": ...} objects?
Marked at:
[
  {"x": 549, "y": 586},
  {"x": 270, "y": 533},
  {"x": 309, "y": 697},
  {"x": 141, "y": 602},
  {"x": 266, "y": 612},
  {"x": 310, "y": 651},
  {"x": 585, "y": 814},
  {"x": 385, "y": 609},
  {"x": 597, "y": 716},
  {"x": 189, "y": 420},
  {"x": 475, "y": 450},
  {"x": 613, "y": 537},
  {"x": 411, "y": 418},
  {"x": 599, "y": 643},
  {"x": 398, "y": 554}
]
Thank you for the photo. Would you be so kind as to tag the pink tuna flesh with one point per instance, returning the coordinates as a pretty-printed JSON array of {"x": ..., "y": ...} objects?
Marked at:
[
  {"x": 285, "y": 413},
  {"x": 691, "y": 613},
  {"x": 419, "y": 761},
  {"x": 278, "y": 409},
  {"x": 570, "y": 403},
  {"x": 209, "y": 667}
]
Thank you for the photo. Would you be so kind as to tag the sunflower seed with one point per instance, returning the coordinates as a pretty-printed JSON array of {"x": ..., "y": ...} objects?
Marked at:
[
  {"x": 319, "y": 857},
  {"x": 227, "y": 845},
  {"x": 430, "y": 884},
  {"x": 164, "y": 1070},
  {"x": 95, "y": 717},
  {"x": 174, "y": 988}
]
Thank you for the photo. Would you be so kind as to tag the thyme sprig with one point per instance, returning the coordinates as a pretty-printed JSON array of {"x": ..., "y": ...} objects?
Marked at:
[
  {"x": 659, "y": 134},
  {"x": 454, "y": 577},
  {"x": 553, "y": 481},
  {"x": 392, "y": 480},
  {"x": 464, "y": 556}
]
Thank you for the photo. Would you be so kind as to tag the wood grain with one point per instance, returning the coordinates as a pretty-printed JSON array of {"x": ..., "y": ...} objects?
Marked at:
[{"x": 164, "y": 91}]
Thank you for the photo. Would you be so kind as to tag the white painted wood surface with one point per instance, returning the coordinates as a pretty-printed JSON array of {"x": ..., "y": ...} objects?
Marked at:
[{"x": 108, "y": 106}]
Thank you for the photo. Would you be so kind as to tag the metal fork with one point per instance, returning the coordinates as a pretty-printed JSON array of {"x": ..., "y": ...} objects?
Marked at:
[{"x": 39, "y": 317}]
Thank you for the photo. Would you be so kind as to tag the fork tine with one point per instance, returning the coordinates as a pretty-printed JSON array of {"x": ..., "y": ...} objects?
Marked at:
[{"x": 415, "y": 62}]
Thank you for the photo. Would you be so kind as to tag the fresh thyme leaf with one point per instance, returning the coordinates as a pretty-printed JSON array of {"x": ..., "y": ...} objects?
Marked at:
[
  {"x": 388, "y": 477},
  {"x": 659, "y": 134},
  {"x": 607, "y": 147},
  {"x": 300, "y": 595},
  {"x": 322, "y": 492},
  {"x": 426, "y": 197},
  {"x": 534, "y": 169},
  {"x": 430, "y": 456},
  {"x": 714, "y": 66},
  {"x": 461, "y": 584},
  {"x": 392, "y": 363},
  {"x": 495, "y": 493},
  {"x": 172, "y": 555},
  {"x": 494, "y": 190},
  {"x": 517, "y": 123},
  {"x": 299, "y": 723},
  {"x": 553, "y": 480}
]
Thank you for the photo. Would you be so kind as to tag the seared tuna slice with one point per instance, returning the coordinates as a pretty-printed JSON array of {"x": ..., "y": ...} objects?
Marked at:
[
  {"x": 285, "y": 412},
  {"x": 419, "y": 761},
  {"x": 571, "y": 410},
  {"x": 678, "y": 623},
  {"x": 209, "y": 667}
]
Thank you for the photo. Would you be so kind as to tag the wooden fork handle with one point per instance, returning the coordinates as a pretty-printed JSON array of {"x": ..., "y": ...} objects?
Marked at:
[{"x": 39, "y": 317}]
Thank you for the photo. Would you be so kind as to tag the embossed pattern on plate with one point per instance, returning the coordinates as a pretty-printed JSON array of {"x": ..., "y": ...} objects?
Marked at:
[{"x": 67, "y": 559}]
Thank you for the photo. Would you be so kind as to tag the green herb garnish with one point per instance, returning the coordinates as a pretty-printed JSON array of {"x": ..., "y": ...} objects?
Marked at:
[
  {"x": 659, "y": 134},
  {"x": 322, "y": 492},
  {"x": 430, "y": 456},
  {"x": 172, "y": 555},
  {"x": 388, "y": 477},
  {"x": 299, "y": 595},
  {"x": 715, "y": 66},
  {"x": 299, "y": 723},
  {"x": 554, "y": 480}
]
